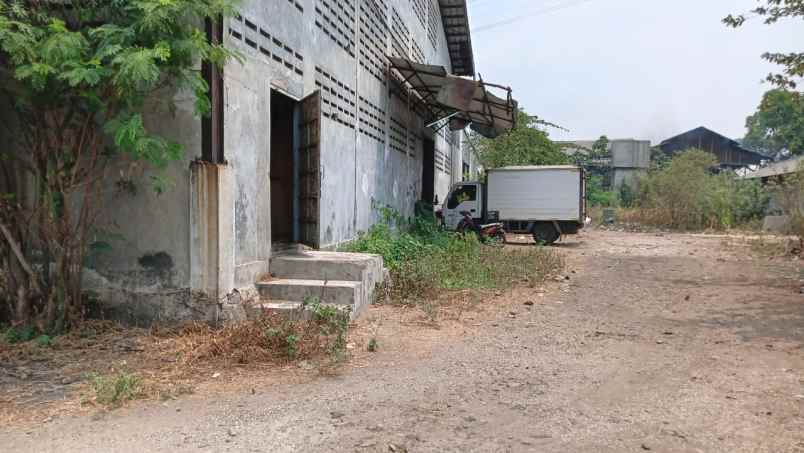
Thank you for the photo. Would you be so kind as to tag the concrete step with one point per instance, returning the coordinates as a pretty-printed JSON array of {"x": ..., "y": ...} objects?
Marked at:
[
  {"x": 336, "y": 278},
  {"x": 294, "y": 311},
  {"x": 337, "y": 292},
  {"x": 326, "y": 266}
]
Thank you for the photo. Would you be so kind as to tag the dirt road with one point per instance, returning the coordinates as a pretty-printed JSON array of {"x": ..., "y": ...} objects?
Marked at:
[{"x": 664, "y": 343}]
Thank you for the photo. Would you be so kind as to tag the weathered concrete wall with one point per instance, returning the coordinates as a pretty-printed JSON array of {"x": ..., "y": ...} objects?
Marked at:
[
  {"x": 246, "y": 147},
  {"x": 630, "y": 153},
  {"x": 146, "y": 275}
]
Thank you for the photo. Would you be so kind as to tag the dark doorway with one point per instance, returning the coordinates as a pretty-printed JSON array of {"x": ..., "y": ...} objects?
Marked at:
[
  {"x": 428, "y": 171},
  {"x": 282, "y": 168}
]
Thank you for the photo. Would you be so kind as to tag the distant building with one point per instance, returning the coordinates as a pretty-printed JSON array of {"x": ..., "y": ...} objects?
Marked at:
[
  {"x": 777, "y": 169},
  {"x": 729, "y": 153},
  {"x": 779, "y": 207},
  {"x": 627, "y": 159}
]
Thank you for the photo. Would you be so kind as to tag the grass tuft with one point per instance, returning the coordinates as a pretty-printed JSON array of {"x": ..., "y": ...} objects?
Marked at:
[{"x": 116, "y": 389}]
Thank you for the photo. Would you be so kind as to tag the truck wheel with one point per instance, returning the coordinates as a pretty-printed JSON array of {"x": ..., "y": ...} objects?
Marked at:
[{"x": 545, "y": 233}]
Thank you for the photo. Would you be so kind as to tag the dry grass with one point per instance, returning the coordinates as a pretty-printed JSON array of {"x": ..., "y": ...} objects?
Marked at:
[
  {"x": 775, "y": 246},
  {"x": 103, "y": 365},
  {"x": 271, "y": 338}
]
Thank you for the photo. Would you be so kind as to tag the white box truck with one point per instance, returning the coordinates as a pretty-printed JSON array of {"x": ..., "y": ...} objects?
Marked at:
[{"x": 544, "y": 201}]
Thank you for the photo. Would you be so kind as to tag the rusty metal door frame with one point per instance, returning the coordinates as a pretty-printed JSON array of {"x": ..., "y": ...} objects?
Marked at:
[
  {"x": 212, "y": 124},
  {"x": 309, "y": 170}
]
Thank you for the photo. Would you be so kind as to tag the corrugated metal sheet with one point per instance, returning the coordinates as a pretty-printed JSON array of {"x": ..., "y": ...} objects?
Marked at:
[{"x": 784, "y": 167}]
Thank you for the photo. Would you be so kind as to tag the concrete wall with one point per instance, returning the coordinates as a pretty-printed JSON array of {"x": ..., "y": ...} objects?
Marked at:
[
  {"x": 630, "y": 154},
  {"x": 370, "y": 139},
  {"x": 146, "y": 274},
  {"x": 246, "y": 147}
]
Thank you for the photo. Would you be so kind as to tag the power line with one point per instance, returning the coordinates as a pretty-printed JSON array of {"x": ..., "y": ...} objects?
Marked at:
[{"x": 540, "y": 12}]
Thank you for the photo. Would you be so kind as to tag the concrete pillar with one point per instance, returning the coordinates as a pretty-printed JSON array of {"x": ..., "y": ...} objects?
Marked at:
[{"x": 211, "y": 230}]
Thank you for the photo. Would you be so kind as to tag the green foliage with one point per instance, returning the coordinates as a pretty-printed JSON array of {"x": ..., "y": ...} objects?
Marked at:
[
  {"x": 424, "y": 259},
  {"x": 526, "y": 144},
  {"x": 107, "y": 58},
  {"x": 687, "y": 195},
  {"x": 22, "y": 334},
  {"x": 78, "y": 81},
  {"x": 116, "y": 389},
  {"x": 778, "y": 124},
  {"x": 597, "y": 195},
  {"x": 332, "y": 322},
  {"x": 788, "y": 195},
  {"x": 772, "y": 11},
  {"x": 285, "y": 337},
  {"x": 626, "y": 195},
  {"x": 325, "y": 330},
  {"x": 44, "y": 341},
  {"x": 601, "y": 147},
  {"x": 373, "y": 345}
]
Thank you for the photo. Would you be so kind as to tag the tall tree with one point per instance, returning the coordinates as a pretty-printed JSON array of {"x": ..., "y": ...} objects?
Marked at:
[
  {"x": 771, "y": 12},
  {"x": 526, "y": 144},
  {"x": 76, "y": 75},
  {"x": 778, "y": 124},
  {"x": 600, "y": 148}
]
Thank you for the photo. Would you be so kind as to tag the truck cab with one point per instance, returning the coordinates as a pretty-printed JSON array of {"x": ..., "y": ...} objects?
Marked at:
[{"x": 465, "y": 196}]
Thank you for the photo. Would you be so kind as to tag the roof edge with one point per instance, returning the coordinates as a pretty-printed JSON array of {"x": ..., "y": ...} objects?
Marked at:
[{"x": 455, "y": 21}]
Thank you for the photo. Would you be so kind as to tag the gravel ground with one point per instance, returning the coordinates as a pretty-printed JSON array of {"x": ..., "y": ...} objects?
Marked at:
[{"x": 665, "y": 343}]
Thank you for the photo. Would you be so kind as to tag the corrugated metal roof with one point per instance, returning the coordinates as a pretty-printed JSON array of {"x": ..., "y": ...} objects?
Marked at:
[
  {"x": 706, "y": 131},
  {"x": 455, "y": 17},
  {"x": 459, "y": 100},
  {"x": 784, "y": 167}
]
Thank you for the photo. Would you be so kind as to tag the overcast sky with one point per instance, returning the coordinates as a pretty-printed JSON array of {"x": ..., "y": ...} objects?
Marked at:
[{"x": 646, "y": 69}]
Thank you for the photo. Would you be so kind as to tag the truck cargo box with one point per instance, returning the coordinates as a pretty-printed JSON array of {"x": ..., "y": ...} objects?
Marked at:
[{"x": 537, "y": 193}]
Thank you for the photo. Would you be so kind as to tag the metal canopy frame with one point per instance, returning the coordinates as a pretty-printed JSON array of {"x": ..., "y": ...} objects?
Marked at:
[{"x": 489, "y": 115}]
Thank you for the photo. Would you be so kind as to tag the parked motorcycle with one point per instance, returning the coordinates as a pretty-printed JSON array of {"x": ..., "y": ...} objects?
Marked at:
[{"x": 492, "y": 232}]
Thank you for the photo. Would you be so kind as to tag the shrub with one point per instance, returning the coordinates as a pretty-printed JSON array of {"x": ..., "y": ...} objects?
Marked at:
[
  {"x": 116, "y": 389},
  {"x": 788, "y": 194},
  {"x": 44, "y": 341},
  {"x": 597, "y": 195},
  {"x": 626, "y": 195},
  {"x": 687, "y": 195},
  {"x": 22, "y": 334},
  {"x": 423, "y": 259}
]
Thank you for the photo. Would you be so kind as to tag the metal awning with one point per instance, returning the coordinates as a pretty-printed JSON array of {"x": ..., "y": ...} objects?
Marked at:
[{"x": 457, "y": 101}]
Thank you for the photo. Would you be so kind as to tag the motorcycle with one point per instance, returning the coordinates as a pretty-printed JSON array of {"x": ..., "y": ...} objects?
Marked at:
[{"x": 492, "y": 232}]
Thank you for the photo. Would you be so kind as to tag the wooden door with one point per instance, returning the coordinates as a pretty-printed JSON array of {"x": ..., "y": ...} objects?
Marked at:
[{"x": 310, "y": 170}]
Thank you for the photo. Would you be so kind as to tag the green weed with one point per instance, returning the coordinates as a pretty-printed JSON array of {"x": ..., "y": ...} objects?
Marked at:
[
  {"x": 44, "y": 341},
  {"x": 332, "y": 323},
  {"x": 423, "y": 260},
  {"x": 116, "y": 389},
  {"x": 20, "y": 334}
]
